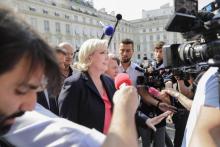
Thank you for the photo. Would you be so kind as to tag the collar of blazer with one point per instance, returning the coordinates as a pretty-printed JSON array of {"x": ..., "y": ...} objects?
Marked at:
[{"x": 91, "y": 85}]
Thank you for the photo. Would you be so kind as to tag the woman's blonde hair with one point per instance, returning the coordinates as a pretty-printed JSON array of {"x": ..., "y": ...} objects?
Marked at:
[{"x": 87, "y": 49}]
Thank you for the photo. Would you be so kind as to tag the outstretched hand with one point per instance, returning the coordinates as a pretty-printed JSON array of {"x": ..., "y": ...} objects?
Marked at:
[
  {"x": 151, "y": 122},
  {"x": 171, "y": 92},
  {"x": 166, "y": 107}
]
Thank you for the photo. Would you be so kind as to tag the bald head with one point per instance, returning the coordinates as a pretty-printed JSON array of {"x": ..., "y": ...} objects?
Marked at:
[{"x": 69, "y": 52}]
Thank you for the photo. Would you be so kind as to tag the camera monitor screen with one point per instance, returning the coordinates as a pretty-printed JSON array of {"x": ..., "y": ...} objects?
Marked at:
[
  {"x": 189, "y": 7},
  {"x": 184, "y": 16}
]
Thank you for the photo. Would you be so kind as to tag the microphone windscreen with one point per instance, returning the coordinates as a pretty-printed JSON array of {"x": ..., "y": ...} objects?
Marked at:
[
  {"x": 153, "y": 91},
  {"x": 122, "y": 78},
  {"x": 119, "y": 16},
  {"x": 108, "y": 30}
]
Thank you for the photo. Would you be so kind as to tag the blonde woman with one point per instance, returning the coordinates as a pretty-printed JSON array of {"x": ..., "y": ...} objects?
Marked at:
[{"x": 86, "y": 97}]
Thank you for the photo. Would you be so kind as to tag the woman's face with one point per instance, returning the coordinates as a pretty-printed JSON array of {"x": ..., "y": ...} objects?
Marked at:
[{"x": 99, "y": 60}]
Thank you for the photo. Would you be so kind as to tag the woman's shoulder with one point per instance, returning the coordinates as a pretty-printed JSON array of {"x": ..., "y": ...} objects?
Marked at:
[{"x": 75, "y": 77}]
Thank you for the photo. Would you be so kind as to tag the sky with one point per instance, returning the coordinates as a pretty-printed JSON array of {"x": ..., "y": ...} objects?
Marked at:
[{"x": 130, "y": 9}]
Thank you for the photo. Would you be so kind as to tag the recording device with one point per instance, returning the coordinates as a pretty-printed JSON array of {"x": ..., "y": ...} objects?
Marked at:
[
  {"x": 122, "y": 79},
  {"x": 107, "y": 30},
  {"x": 201, "y": 30},
  {"x": 118, "y": 17},
  {"x": 184, "y": 73},
  {"x": 151, "y": 78}
]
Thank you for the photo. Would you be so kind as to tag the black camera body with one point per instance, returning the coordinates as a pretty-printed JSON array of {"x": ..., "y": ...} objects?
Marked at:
[
  {"x": 201, "y": 31},
  {"x": 185, "y": 72},
  {"x": 151, "y": 78}
]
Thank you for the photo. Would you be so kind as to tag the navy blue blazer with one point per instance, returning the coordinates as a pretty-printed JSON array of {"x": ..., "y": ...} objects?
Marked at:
[{"x": 80, "y": 101}]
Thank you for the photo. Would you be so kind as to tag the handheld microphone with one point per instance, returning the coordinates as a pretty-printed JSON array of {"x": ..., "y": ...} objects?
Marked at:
[
  {"x": 140, "y": 69},
  {"x": 122, "y": 79}
]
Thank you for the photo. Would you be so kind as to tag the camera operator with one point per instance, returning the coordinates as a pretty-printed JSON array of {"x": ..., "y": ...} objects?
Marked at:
[
  {"x": 151, "y": 109},
  {"x": 206, "y": 95},
  {"x": 201, "y": 30}
]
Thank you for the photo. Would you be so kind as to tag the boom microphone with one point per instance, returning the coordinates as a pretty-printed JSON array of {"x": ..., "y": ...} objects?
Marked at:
[
  {"x": 122, "y": 79},
  {"x": 118, "y": 17},
  {"x": 107, "y": 30}
]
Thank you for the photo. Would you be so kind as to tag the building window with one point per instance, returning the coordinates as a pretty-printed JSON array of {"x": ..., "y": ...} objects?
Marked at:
[
  {"x": 46, "y": 26},
  {"x": 32, "y": 9},
  {"x": 90, "y": 21},
  {"x": 139, "y": 56},
  {"x": 56, "y": 14},
  {"x": 67, "y": 17},
  {"x": 151, "y": 38},
  {"x": 76, "y": 18},
  {"x": 144, "y": 30},
  {"x": 84, "y": 20},
  {"x": 138, "y": 48},
  {"x": 150, "y": 30},
  {"x": 68, "y": 28},
  {"x": 152, "y": 55},
  {"x": 33, "y": 22},
  {"x": 164, "y": 37},
  {"x": 45, "y": 11},
  {"x": 158, "y": 36},
  {"x": 57, "y": 25}
]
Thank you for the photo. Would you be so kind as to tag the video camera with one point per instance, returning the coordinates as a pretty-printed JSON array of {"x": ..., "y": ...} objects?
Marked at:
[
  {"x": 184, "y": 73},
  {"x": 151, "y": 78},
  {"x": 200, "y": 29}
]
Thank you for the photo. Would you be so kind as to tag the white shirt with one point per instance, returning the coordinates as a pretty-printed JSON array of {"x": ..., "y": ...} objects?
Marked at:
[
  {"x": 42, "y": 128},
  {"x": 132, "y": 72},
  {"x": 47, "y": 97},
  {"x": 206, "y": 94}
]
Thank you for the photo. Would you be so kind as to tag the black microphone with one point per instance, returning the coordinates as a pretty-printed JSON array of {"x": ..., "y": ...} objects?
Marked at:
[
  {"x": 118, "y": 17},
  {"x": 140, "y": 69}
]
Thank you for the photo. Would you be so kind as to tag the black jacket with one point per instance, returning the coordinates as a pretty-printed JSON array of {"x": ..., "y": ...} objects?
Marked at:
[
  {"x": 80, "y": 101},
  {"x": 41, "y": 99}
]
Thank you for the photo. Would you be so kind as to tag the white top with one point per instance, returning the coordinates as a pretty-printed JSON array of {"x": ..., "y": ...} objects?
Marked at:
[
  {"x": 206, "y": 94},
  {"x": 42, "y": 128},
  {"x": 47, "y": 97},
  {"x": 132, "y": 72}
]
